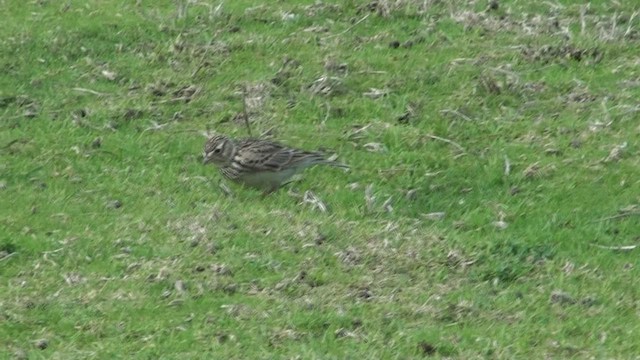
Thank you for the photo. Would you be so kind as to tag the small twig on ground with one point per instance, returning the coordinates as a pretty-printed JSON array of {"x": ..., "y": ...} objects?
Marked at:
[
  {"x": 245, "y": 113},
  {"x": 455, "y": 144}
]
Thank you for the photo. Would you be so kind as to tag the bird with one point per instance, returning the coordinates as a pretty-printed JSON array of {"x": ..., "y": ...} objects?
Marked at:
[{"x": 260, "y": 164}]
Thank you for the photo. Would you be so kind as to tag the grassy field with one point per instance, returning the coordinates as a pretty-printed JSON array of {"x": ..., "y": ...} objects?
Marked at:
[{"x": 494, "y": 153}]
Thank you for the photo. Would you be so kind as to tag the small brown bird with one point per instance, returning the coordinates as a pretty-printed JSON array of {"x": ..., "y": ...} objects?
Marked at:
[{"x": 260, "y": 164}]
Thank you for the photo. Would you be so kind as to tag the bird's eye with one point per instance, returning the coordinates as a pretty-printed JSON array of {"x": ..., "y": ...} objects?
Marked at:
[{"x": 217, "y": 151}]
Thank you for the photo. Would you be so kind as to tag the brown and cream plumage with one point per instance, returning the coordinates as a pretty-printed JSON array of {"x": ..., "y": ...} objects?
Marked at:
[{"x": 260, "y": 164}]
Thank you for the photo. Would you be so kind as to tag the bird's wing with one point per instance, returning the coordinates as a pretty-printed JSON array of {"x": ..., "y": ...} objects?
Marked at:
[{"x": 262, "y": 155}]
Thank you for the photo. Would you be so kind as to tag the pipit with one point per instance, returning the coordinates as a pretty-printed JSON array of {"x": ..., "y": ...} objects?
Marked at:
[{"x": 261, "y": 164}]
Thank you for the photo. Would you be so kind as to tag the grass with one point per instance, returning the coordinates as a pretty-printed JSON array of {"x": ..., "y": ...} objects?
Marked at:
[{"x": 494, "y": 157}]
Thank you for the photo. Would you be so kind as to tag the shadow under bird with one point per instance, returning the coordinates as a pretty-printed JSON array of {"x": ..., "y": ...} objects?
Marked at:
[{"x": 261, "y": 164}]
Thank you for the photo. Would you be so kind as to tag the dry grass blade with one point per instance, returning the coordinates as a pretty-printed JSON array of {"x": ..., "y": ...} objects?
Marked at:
[
  {"x": 369, "y": 198},
  {"x": 155, "y": 126},
  {"x": 627, "y": 211},
  {"x": 619, "y": 216},
  {"x": 583, "y": 23},
  {"x": 315, "y": 202},
  {"x": 349, "y": 28},
  {"x": 326, "y": 85},
  {"x": 617, "y": 248},
  {"x": 455, "y": 144},
  {"x": 45, "y": 256},
  {"x": 374, "y": 147},
  {"x": 376, "y": 93},
  {"x": 7, "y": 256},
  {"x": 434, "y": 215},
  {"x": 457, "y": 113},
  {"x": 629, "y": 27},
  {"x": 387, "y": 204},
  {"x": 358, "y": 132},
  {"x": 225, "y": 189},
  {"x": 89, "y": 91},
  {"x": 507, "y": 166}
]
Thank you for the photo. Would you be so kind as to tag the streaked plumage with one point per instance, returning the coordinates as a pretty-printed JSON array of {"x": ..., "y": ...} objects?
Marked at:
[{"x": 261, "y": 164}]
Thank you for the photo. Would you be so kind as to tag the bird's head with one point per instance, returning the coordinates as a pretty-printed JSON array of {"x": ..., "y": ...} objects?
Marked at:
[{"x": 219, "y": 150}]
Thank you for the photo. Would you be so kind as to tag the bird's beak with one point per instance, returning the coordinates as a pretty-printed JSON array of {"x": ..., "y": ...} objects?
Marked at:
[{"x": 205, "y": 159}]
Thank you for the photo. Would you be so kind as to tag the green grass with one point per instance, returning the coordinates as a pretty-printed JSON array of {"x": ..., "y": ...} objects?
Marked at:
[{"x": 116, "y": 242}]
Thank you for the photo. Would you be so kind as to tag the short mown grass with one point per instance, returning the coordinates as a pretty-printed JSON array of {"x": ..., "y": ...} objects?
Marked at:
[{"x": 493, "y": 186}]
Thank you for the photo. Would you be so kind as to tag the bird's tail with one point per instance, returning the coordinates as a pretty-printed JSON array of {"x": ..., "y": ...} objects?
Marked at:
[{"x": 317, "y": 158}]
